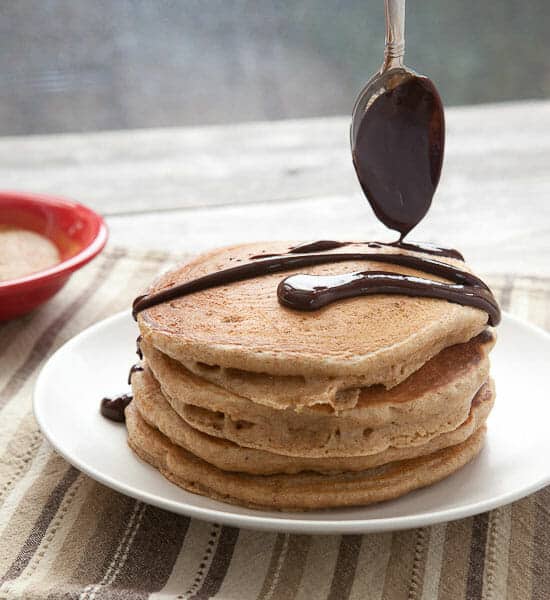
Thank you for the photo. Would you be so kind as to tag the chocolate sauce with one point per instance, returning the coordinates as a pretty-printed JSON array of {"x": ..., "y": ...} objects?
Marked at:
[
  {"x": 306, "y": 248},
  {"x": 398, "y": 152},
  {"x": 138, "y": 347},
  {"x": 113, "y": 408},
  {"x": 318, "y": 246},
  {"x": 134, "y": 369},
  {"x": 468, "y": 289},
  {"x": 323, "y": 245},
  {"x": 428, "y": 249},
  {"x": 312, "y": 292}
]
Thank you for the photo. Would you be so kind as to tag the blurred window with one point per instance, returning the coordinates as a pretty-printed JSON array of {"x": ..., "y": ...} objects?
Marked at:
[{"x": 75, "y": 65}]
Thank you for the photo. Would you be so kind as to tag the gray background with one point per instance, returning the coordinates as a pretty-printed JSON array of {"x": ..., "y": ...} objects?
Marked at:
[{"x": 77, "y": 65}]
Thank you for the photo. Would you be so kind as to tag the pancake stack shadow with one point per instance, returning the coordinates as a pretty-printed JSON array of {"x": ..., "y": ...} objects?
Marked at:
[{"x": 248, "y": 402}]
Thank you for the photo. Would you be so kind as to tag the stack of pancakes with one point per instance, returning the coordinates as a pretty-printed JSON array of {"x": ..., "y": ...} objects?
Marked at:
[{"x": 246, "y": 401}]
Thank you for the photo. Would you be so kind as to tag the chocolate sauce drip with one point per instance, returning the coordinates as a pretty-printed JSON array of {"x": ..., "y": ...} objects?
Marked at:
[
  {"x": 138, "y": 347},
  {"x": 134, "y": 369},
  {"x": 398, "y": 152},
  {"x": 113, "y": 408},
  {"x": 312, "y": 292},
  {"x": 485, "y": 337},
  {"x": 468, "y": 294}
]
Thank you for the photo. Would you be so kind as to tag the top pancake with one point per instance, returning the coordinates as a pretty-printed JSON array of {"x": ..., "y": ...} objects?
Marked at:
[{"x": 382, "y": 338}]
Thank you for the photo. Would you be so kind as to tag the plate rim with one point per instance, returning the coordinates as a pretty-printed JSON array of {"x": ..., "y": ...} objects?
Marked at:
[{"x": 271, "y": 523}]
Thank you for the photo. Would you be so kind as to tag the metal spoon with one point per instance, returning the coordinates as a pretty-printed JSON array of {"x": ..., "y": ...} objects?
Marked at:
[{"x": 398, "y": 134}]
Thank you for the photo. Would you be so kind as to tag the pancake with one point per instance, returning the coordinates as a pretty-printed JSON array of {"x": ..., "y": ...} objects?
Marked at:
[
  {"x": 298, "y": 392},
  {"x": 304, "y": 491},
  {"x": 225, "y": 455},
  {"x": 434, "y": 400},
  {"x": 380, "y": 338},
  {"x": 281, "y": 391},
  {"x": 244, "y": 400},
  {"x": 457, "y": 362}
]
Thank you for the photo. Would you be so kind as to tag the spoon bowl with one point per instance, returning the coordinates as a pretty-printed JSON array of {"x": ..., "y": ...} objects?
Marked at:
[{"x": 398, "y": 134}]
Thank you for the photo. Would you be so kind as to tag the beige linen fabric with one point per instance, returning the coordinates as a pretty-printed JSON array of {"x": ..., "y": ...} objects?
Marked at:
[{"x": 62, "y": 535}]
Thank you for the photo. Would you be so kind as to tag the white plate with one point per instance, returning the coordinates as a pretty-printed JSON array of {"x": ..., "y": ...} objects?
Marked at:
[{"x": 513, "y": 463}]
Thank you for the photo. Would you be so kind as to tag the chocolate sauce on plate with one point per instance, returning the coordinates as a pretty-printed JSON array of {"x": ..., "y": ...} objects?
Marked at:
[
  {"x": 398, "y": 152},
  {"x": 113, "y": 408}
]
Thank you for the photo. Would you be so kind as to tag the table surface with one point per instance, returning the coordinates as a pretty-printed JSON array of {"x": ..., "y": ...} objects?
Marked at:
[{"x": 188, "y": 189}]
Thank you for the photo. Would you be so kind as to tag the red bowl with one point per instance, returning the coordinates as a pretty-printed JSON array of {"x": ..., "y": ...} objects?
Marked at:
[{"x": 78, "y": 232}]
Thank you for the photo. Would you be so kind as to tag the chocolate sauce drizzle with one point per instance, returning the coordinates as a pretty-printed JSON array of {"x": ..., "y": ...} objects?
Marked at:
[
  {"x": 317, "y": 246},
  {"x": 425, "y": 248},
  {"x": 113, "y": 408},
  {"x": 312, "y": 292},
  {"x": 324, "y": 245},
  {"x": 134, "y": 369},
  {"x": 299, "y": 292}
]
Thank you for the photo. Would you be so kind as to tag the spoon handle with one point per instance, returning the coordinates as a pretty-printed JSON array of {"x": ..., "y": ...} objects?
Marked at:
[{"x": 395, "y": 34}]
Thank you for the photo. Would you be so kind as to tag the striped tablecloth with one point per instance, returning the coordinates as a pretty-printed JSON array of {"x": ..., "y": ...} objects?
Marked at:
[{"x": 62, "y": 535}]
